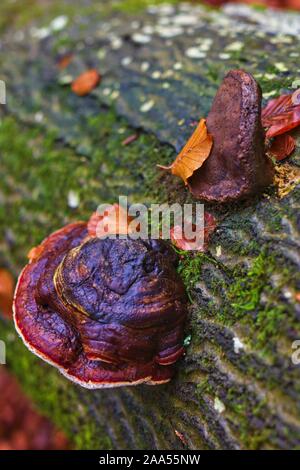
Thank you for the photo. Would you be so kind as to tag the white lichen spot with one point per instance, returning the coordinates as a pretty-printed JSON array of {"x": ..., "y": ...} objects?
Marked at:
[
  {"x": 218, "y": 251},
  {"x": 126, "y": 61},
  {"x": 166, "y": 85},
  {"x": 38, "y": 117},
  {"x": 65, "y": 79},
  {"x": 281, "y": 67},
  {"x": 224, "y": 56},
  {"x": 168, "y": 73},
  {"x": 40, "y": 33},
  {"x": 269, "y": 76},
  {"x": 237, "y": 344},
  {"x": 268, "y": 94},
  {"x": 73, "y": 199},
  {"x": 169, "y": 31},
  {"x": 296, "y": 84},
  {"x": 219, "y": 405},
  {"x": 294, "y": 54},
  {"x": 101, "y": 54},
  {"x": 135, "y": 25},
  {"x": 195, "y": 53},
  {"x": 106, "y": 91},
  {"x": 177, "y": 66},
  {"x": 145, "y": 66},
  {"x": 59, "y": 23},
  {"x": 148, "y": 29},
  {"x": 156, "y": 74},
  {"x": 115, "y": 94},
  {"x": 235, "y": 46},
  {"x": 141, "y": 38},
  {"x": 181, "y": 122},
  {"x": 186, "y": 20},
  {"x": 147, "y": 106},
  {"x": 116, "y": 43}
]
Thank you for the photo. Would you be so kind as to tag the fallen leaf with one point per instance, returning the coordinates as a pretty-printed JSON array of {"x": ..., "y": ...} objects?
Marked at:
[
  {"x": 282, "y": 146},
  {"x": 114, "y": 220},
  {"x": 180, "y": 437},
  {"x": 280, "y": 115},
  {"x": 193, "y": 154},
  {"x": 64, "y": 61},
  {"x": 7, "y": 285},
  {"x": 85, "y": 82},
  {"x": 129, "y": 139},
  {"x": 183, "y": 243}
]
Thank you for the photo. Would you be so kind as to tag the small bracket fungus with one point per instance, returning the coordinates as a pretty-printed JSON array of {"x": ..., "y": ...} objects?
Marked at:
[
  {"x": 105, "y": 312},
  {"x": 237, "y": 166}
]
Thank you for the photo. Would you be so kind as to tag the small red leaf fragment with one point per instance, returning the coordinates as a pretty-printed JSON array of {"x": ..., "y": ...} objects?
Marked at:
[
  {"x": 64, "y": 61},
  {"x": 183, "y": 243},
  {"x": 130, "y": 139},
  {"x": 281, "y": 115},
  {"x": 6, "y": 292},
  {"x": 180, "y": 437},
  {"x": 282, "y": 146},
  {"x": 86, "y": 82}
]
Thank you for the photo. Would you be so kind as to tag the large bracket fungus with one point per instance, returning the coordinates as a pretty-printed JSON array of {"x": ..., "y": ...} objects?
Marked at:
[
  {"x": 105, "y": 312},
  {"x": 237, "y": 166}
]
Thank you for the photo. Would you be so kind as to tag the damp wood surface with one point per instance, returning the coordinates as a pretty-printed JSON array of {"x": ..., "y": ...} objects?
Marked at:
[{"x": 62, "y": 155}]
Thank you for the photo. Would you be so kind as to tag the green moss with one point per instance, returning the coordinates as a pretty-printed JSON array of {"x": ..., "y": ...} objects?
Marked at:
[{"x": 245, "y": 292}]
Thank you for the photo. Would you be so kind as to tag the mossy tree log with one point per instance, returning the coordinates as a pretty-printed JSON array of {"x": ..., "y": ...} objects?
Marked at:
[{"x": 62, "y": 155}]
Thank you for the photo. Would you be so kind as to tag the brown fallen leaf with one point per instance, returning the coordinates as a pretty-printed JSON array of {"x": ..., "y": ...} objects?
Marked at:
[
  {"x": 282, "y": 146},
  {"x": 130, "y": 139},
  {"x": 85, "y": 82},
  {"x": 7, "y": 285},
  {"x": 193, "y": 154}
]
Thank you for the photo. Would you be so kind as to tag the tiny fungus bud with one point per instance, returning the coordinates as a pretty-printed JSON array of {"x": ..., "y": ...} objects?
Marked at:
[{"x": 105, "y": 312}]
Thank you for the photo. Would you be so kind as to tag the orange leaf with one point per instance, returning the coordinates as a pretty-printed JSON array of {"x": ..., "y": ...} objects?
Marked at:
[
  {"x": 6, "y": 292},
  {"x": 282, "y": 146},
  {"x": 86, "y": 82},
  {"x": 193, "y": 154}
]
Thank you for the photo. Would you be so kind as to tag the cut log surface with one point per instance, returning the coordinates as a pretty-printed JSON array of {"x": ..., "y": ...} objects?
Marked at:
[{"x": 237, "y": 387}]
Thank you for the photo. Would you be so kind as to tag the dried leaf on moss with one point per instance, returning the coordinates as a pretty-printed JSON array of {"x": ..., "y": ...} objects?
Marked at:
[
  {"x": 86, "y": 82},
  {"x": 282, "y": 146},
  {"x": 193, "y": 154}
]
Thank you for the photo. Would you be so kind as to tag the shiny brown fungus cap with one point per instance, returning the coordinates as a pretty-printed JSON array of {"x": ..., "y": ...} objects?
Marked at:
[
  {"x": 237, "y": 166},
  {"x": 105, "y": 312}
]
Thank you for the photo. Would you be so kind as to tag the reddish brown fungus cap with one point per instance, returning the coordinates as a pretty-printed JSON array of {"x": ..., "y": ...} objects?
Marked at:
[
  {"x": 237, "y": 166},
  {"x": 105, "y": 312}
]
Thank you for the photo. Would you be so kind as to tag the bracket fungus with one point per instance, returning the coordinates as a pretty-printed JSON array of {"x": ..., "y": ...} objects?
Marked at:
[
  {"x": 105, "y": 312},
  {"x": 237, "y": 166}
]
